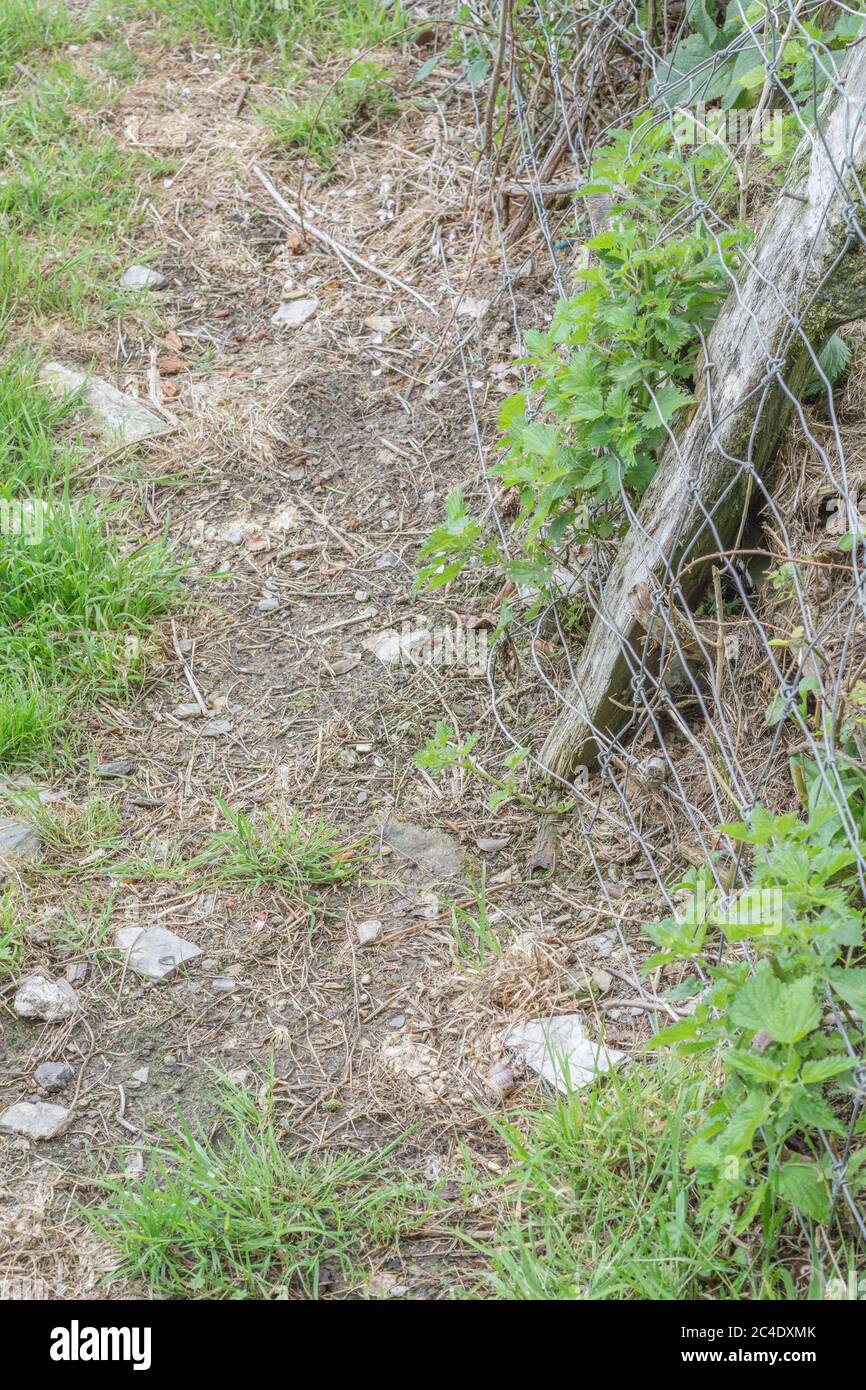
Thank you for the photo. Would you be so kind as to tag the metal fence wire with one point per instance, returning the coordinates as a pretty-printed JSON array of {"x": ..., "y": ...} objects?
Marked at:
[{"x": 694, "y": 722}]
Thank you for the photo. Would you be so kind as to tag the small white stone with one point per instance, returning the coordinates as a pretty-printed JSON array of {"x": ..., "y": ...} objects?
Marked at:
[
  {"x": 216, "y": 728},
  {"x": 141, "y": 277},
  {"x": 48, "y": 1000},
  {"x": 189, "y": 710},
  {"x": 269, "y": 603},
  {"x": 368, "y": 932},
  {"x": 295, "y": 312},
  {"x": 36, "y": 1119},
  {"x": 154, "y": 952}
]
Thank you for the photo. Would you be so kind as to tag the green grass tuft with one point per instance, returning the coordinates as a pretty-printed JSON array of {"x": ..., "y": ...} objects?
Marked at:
[
  {"x": 599, "y": 1205},
  {"x": 297, "y": 856},
  {"x": 73, "y": 611},
  {"x": 321, "y": 125},
  {"x": 234, "y": 1216},
  {"x": 34, "y": 26},
  {"x": 324, "y": 25},
  {"x": 11, "y": 932},
  {"x": 30, "y": 414},
  {"x": 69, "y": 200}
]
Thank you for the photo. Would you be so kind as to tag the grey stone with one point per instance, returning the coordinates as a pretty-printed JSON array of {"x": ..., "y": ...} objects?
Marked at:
[
  {"x": 269, "y": 603},
  {"x": 119, "y": 418},
  {"x": 35, "y": 1119},
  {"x": 295, "y": 312},
  {"x": 188, "y": 710},
  {"x": 18, "y": 840},
  {"x": 154, "y": 952},
  {"x": 437, "y": 855},
  {"x": 54, "y": 1076},
  {"x": 121, "y": 767},
  {"x": 221, "y": 985},
  {"x": 559, "y": 1050},
  {"x": 233, "y": 536},
  {"x": 141, "y": 277},
  {"x": 605, "y": 943},
  {"x": 140, "y": 1077},
  {"x": 387, "y": 560},
  {"x": 368, "y": 932},
  {"x": 217, "y": 727},
  {"x": 48, "y": 1000}
]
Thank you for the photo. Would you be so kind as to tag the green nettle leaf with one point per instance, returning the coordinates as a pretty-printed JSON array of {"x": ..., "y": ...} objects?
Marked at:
[
  {"x": 802, "y": 1184},
  {"x": 816, "y": 1113},
  {"x": 825, "y": 1068},
  {"x": 676, "y": 1032},
  {"x": 668, "y": 400},
  {"x": 700, "y": 21},
  {"x": 786, "y": 1011},
  {"x": 850, "y": 985},
  {"x": 753, "y": 80},
  {"x": 752, "y": 1064},
  {"x": 795, "y": 1012},
  {"x": 739, "y": 1132},
  {"x": 511, "y": 410},
  {"x": 477, "y": 71}
]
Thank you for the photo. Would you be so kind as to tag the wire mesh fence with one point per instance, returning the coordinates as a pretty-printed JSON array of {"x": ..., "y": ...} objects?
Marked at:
[{"x": 729, "y": 644}]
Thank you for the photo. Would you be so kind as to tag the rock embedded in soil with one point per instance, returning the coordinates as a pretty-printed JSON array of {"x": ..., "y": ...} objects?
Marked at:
[
  {"x": 604, "y": 943},
  {"x": 188, "y": 710},
  {"x": 50, "y": 1001},
  {"x": 269, "y": 603},
  {"x": 18, "y": 840},
  {"x": 154, "y": 952},
  {"x": 142, "y": 277},
  {"x": 54, "y": 1076},
  {"x": 34, "y": 1119},
  {"x": 387, "y": 560},
  {"x": 120, "y": 767},
  {"x": 295, "y": 312},
  {"x": 217, "y": 727},
  {"x": 417, "y": 1063},
  {"x": 368, "y": 932},
  {"x": 120, "y": 419},
  {"x": 436, "y": 854},
  {"x": 559, "y": 1050}
]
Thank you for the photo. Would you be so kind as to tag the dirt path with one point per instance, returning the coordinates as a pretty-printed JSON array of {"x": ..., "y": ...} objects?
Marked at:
[{"x": 306, "y": 466}]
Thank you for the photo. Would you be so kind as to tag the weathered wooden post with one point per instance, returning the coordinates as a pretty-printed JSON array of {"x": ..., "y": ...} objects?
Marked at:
[{"x": 806, "y": 276}]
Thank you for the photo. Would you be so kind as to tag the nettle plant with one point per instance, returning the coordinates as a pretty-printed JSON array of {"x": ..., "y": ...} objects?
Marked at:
[
  {"x": 727, "y": 62},
  {"x": 446, "y": 750},
  {"x": 769, "y": 1014},
  {"x": 616, "y": 366}
]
